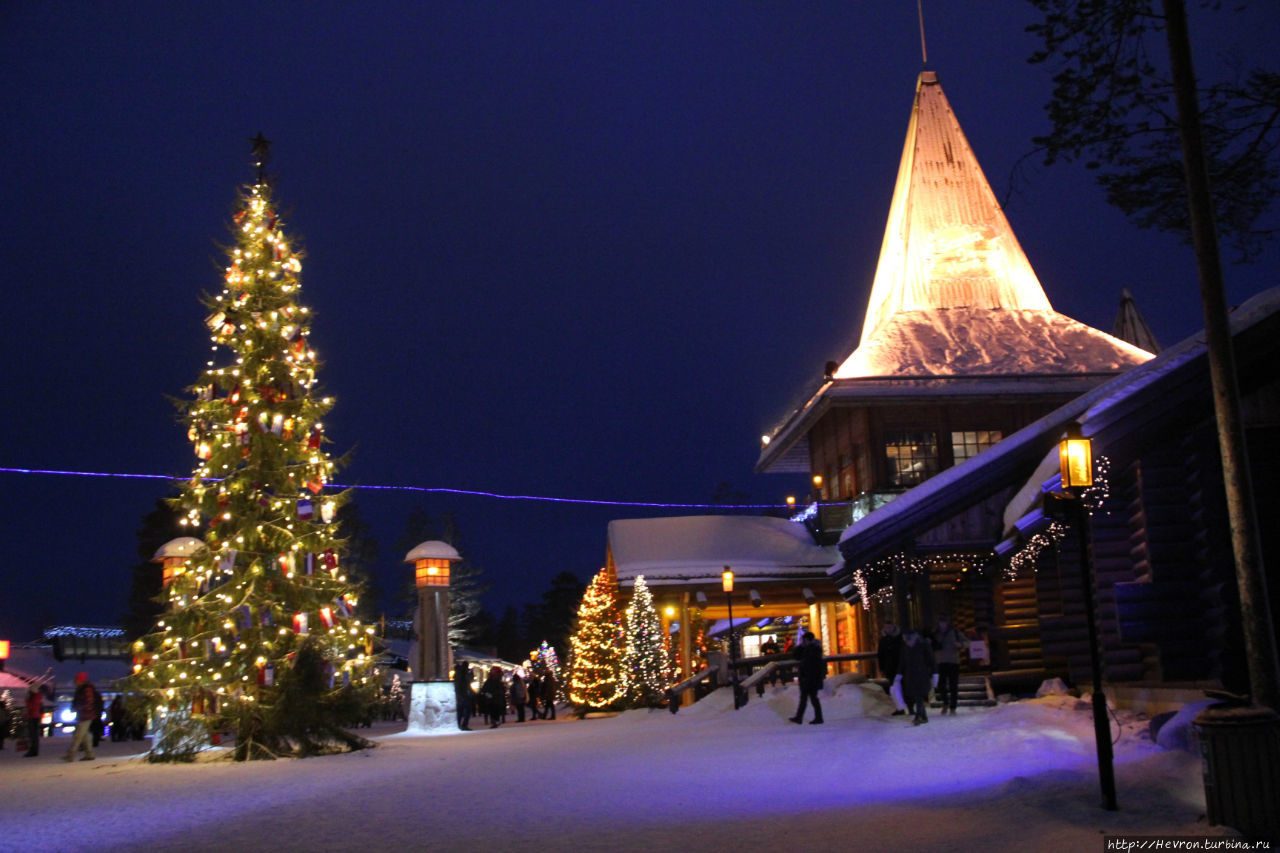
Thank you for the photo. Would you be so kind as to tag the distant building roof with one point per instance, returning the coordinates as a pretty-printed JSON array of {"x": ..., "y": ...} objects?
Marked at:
[{"x": 690, "y": 548}]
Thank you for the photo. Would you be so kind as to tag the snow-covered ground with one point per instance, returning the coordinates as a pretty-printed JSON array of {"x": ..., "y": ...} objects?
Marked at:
[{"x": 1020, "y": 776}]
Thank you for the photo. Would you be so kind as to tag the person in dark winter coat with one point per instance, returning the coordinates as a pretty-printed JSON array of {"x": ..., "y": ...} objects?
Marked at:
[
  {"x": 495, "y": 697},
  {"x": 947, "y": 643},
  {"x": 813, "y": 672},
  {"x": 519, "y": 695},
  {"x": 915, "y": 673},
  {"x": 35, "y": 710},
  {"x": 549, "y": 686},
  {"x": 462, "y": 694},
  {"x": 888, "y": 650},
  {"x": 534, "y": 688}
]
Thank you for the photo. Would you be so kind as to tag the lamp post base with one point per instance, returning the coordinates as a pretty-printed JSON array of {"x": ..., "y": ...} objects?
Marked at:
[{"x": 433, "y": 708}]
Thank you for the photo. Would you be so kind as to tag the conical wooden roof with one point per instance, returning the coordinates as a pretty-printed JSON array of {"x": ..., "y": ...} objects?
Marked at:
[
  {"x": 954, "y": 294},
  {"x": 1131, "y": 326}
]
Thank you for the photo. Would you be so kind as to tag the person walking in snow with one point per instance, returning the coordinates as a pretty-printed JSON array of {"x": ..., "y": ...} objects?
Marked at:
[
  {"x": 915, "y": 673},
  {"x": 888, "y": 650},
  {"x": 813, "y": 672},
  {"x": 947, "y": 643},
  {"x": 85, "y": 704}
]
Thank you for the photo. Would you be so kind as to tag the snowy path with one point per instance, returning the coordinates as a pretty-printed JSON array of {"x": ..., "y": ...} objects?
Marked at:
[{"x": 1015, "y": 777}]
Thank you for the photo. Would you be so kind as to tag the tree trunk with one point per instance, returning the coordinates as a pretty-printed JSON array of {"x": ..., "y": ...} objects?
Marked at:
[{"x": 1255, "y": 611}]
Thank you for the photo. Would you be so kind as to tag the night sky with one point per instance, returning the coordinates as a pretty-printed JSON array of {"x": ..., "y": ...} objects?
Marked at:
[{"x": 583, "y": 250}]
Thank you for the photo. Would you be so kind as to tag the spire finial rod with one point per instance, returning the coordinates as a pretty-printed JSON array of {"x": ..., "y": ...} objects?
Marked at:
[
  {"x": 261, "y": 154},
  {"x": 924, "y": 53}
]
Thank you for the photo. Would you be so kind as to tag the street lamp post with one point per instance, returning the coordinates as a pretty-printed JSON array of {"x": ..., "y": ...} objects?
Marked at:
[
  {"x": 726, "y": 580},
  {"x": 1075, "y": 456}
]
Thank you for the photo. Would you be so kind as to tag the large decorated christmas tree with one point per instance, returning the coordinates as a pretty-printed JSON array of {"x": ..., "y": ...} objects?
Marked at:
[
  {"x": 258, "y": 637},
  {"x": 595, "y": 663},
  {"x": 645, "y": 663}
]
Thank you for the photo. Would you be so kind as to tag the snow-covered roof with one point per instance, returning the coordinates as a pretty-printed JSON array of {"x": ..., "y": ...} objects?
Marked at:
[
  {"x": 966, "y": 341},
  {"x": 433, "y": 550},
  {"x": 669, "y": 550},
  {"x": 37, "y": 663}
]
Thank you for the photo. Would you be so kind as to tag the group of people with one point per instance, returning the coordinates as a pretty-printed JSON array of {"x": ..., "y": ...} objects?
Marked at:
[
  {"x": 914, "y": 664},
  {"x": 533, "y": 693}
]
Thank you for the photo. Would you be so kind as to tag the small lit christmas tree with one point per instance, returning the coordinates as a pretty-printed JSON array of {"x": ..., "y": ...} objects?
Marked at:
[
  {"x": 645, "y": 664},
  {"x": 595, "y": 665},
  {"x": 545, "y": 659},
  {"x": 258, "y": 637}
]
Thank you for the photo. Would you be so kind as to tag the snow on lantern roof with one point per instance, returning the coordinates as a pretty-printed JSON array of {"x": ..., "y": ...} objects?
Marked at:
[
  {"x": 180, "y": 547},
  {"x": 670, "y": 550},
  {"x": 954, "y": 294},
  {"x": 432, "y": 550}
]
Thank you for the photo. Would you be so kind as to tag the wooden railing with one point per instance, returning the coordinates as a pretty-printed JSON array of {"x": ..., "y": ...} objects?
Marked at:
[{"x": 767, "y": 666}]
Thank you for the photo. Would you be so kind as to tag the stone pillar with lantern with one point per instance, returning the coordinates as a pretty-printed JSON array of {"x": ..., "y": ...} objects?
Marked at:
[
  {"x": 173, "y": 556},
  {"x": 432, "y": 705}
]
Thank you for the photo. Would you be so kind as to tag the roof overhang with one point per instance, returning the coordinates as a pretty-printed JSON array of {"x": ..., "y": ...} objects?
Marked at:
[{"x": 787, "y": 450}]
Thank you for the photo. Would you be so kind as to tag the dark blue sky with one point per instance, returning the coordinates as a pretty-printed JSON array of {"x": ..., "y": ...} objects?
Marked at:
[{"x": 587, "y": 250}]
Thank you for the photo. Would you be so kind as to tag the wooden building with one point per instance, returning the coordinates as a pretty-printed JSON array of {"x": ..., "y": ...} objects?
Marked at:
[
  {"x": 780, "y": 584},
  {"x": 960, "y": 348},
  {"x": 1167, "y": 602}
]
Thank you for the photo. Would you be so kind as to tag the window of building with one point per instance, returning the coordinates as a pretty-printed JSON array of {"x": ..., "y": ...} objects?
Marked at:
[
  {"x": 912, "y": 457},
  {"x": 972, "y": 442}
]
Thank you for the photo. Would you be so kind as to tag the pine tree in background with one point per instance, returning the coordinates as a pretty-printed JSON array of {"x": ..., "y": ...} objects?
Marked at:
[
  {"x": 259, "y": 637},
  {"x": 645, "y": 665},
  {"x": 595, "y": 666}
]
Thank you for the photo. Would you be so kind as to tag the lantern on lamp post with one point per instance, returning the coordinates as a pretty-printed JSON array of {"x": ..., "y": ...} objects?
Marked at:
[
  {"x": 173, "y": 556},
  {"x": 1075, "y": 458},
  {"x": 726, "y": 582},
  {"x": 431, "y": 571}
]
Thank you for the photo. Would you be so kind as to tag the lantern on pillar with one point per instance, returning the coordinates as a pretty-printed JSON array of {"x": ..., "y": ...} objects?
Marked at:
[
  {"x": 173, "y": 556},
  {"x": 431, "y": 567}
]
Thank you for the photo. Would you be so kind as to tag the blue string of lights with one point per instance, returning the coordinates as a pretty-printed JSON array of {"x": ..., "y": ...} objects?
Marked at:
[{"x": 425, "y": 489}]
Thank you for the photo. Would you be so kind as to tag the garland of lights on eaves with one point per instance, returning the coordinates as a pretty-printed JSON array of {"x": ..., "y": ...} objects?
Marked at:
[{"x": 878, "y": 575}]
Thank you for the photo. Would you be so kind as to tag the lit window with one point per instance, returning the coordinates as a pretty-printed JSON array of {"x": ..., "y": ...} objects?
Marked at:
[
  {"x": 972, "y": 442},
  {"x": 912, "y": 457}
]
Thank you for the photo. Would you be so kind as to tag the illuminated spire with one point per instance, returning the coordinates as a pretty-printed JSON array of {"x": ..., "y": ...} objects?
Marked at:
[{"x": 953, "y": 292}]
